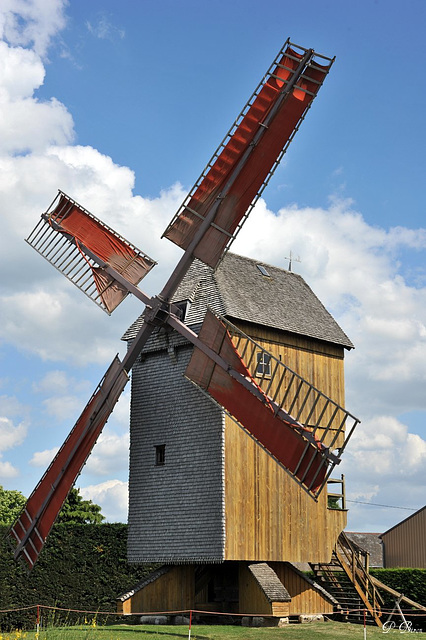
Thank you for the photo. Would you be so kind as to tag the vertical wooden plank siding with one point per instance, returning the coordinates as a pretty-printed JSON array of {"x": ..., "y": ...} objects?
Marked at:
[
  {"x": 268, "y": 516},
  {"x": 319, "y": 363},
  {"x": 405, "y": 544},
  {"x": 251, "y": 597},
  {"x": 173, "y": 591},
  {"x": 304, "y": 598}
]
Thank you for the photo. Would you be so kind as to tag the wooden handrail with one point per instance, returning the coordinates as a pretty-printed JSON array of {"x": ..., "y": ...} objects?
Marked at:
[
  {"x": 403, "y": 598},
  {"x": 348, "y": 555}
]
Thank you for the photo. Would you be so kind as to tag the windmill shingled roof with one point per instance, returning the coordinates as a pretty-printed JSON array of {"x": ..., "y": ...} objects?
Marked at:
[{"x": 237, "y": 289}]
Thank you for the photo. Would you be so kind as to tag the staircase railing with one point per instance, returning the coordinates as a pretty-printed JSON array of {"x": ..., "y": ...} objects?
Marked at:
[{"x": 355, "y": 562}]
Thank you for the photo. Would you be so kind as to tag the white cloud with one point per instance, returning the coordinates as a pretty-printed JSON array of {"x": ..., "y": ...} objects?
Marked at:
[
  {"x": 39, "y": 310},
  {"x": 21, "y": 72},
  {"x": 31, "y": 22},
  {"x": 63, "y": 407},
  {"x": 385, "y": 464},
  {"x": 7, "y": 470},
  {"x": 59, "y": 381},
  {"x": 66, "y": 394},
  {"x": 104, "y": 29},
  {"x": 122, "y": 410},
  {"x": 11, "y": 406},
  {"x": 43, "y": 458},
  {"x": 110, "y": 454},
  {"x": 11, "y": 435},
  {"x": 382, "y": 448},
  {"x": 112, "y": 496},
  {"x": 26, "y": 123}
]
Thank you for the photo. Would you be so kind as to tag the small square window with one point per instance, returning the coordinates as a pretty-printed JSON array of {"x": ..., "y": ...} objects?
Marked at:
[
  {"x": 263, "y": 364},
  {"x": 160, "y": 455}
]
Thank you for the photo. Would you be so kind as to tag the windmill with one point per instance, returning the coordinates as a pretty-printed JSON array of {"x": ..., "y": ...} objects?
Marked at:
[{"x": 301, "y": 428}]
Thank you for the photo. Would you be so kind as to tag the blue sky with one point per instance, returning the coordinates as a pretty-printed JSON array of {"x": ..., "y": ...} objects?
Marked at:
[{"x": 121, "y": 105}]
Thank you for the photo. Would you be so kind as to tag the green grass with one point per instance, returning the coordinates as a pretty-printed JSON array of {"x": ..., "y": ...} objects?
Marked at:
[{"x": 310, "y": 631}]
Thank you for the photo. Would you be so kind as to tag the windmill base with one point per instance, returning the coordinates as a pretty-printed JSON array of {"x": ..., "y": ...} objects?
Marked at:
[{"x": 253, "y": 594}]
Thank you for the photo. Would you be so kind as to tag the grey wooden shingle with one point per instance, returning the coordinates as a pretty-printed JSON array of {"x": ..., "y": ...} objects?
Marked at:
[
  {"x": 176, "y": 510},
  {"x": 269, "y": 582}
]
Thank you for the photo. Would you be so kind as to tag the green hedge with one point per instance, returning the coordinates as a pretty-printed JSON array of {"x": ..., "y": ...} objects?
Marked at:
[
  {"x": 409, "y": 582},
  {"x": 81, "y": 567}
]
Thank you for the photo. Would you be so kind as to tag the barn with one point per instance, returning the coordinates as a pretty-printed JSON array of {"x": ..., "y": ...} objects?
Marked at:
[
  {"x": 224, "y": 518},
  {"x": 405, "y": 543}
]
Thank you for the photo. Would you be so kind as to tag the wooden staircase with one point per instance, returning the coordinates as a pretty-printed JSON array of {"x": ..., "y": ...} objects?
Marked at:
[{"x": 347, "y": 579}]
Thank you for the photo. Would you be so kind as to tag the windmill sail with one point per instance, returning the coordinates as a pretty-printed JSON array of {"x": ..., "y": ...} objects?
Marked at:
[
  {"x": 81, "y": 247},
  {"x": 241, "y": 167},
  {"x": 292, "y": 420}
]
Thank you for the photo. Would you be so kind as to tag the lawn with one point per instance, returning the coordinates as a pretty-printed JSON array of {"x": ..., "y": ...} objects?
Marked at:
[{"x": 311, "y": 631}]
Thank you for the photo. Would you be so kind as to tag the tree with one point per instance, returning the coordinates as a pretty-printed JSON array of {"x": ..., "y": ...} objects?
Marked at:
[
  {"x": 75, "y": 509},
  {"x": 11, "y": 504},
  {"x": 79, "y": 511}
]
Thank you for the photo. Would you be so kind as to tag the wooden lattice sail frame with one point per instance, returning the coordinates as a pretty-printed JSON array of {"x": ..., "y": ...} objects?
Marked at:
[{"x": 83, "y": 248}]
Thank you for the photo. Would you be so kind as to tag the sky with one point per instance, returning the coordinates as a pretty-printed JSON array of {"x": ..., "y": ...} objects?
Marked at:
[{"x": 121, "y": 105}]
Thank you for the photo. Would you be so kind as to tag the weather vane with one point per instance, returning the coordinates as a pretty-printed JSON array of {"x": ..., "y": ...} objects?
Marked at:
[{"x": 291, "y": 259}]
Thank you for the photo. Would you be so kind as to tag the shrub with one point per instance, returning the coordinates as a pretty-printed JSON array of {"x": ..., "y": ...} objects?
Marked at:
[{"x": 82, "y": 567}]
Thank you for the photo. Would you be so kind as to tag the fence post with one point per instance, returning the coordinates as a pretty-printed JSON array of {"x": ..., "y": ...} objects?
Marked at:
[{"x": 190, "y": 622}]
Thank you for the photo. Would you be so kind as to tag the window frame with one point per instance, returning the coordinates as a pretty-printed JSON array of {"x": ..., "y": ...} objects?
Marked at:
[
  {"x": 160, "y": 455},
  {"x": 263, "y": 364}
]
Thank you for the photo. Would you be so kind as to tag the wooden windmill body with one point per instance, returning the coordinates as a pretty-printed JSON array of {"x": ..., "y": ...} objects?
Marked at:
[{"x": 205, "y": 498}]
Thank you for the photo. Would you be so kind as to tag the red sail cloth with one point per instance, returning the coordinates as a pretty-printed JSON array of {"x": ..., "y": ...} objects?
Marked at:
[
  {"x": 47, "y": 499},
  {"x": 286, "y": 444},
  {"x": 107, "y": 246},
  {"x": 256, "y": 168}
]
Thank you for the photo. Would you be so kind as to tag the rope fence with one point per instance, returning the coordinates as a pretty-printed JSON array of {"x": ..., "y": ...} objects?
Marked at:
[{"x": 363, "y": 614}]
